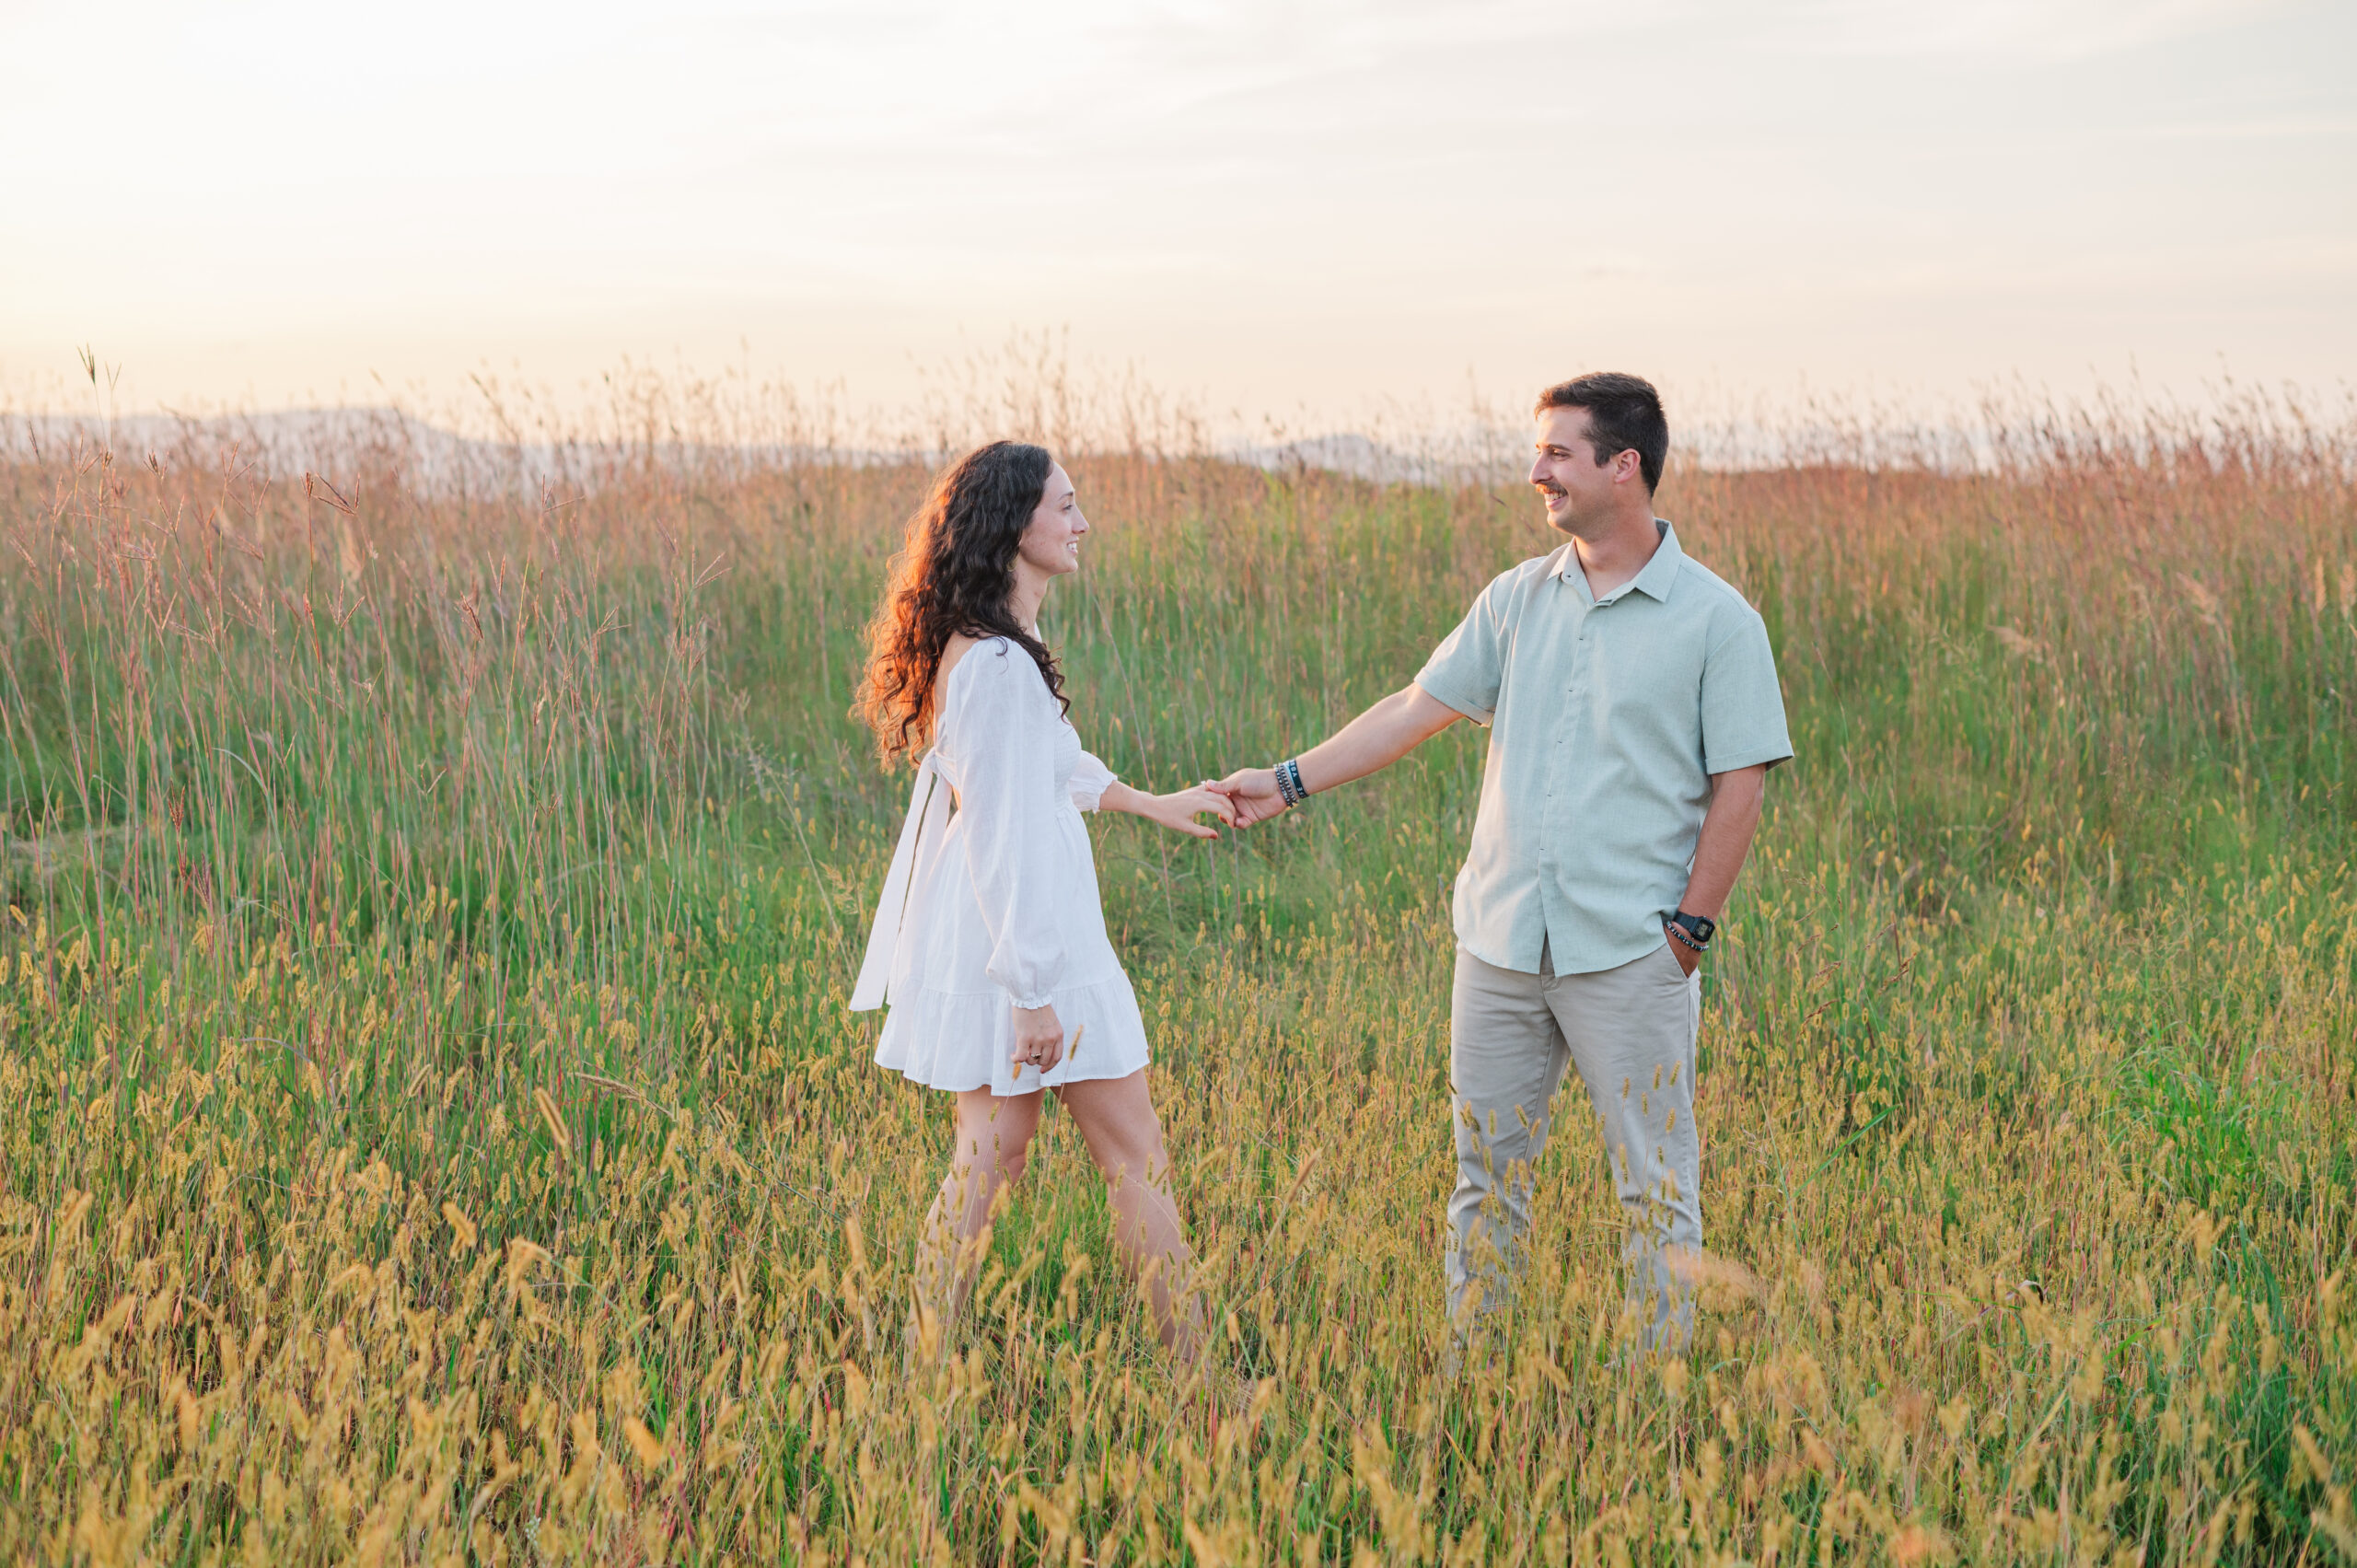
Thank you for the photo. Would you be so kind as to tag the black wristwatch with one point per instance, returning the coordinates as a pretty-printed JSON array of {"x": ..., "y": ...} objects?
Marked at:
[{"x": 1698, "y": 930}]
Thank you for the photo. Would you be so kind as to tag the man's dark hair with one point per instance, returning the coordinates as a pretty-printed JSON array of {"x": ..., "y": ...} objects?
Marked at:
[{"x": 1623, "y": 411}]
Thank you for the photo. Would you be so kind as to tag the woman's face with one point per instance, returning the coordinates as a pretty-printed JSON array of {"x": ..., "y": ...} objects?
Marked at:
[{"x": 1051, "y": 543}]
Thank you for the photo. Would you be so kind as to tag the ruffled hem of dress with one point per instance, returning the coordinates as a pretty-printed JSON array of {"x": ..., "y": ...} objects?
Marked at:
[{"x": 961, "y": 1040}]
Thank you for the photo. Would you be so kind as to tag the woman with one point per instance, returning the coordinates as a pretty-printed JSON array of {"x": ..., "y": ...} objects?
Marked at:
[{"x": 989, "y": 940}]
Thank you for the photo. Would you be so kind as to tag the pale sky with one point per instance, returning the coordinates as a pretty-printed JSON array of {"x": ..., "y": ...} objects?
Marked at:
[{"x": 1264, "y": 206}]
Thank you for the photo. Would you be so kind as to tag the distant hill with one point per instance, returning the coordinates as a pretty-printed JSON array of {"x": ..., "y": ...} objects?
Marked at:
[{"x": 384, "y": 443}]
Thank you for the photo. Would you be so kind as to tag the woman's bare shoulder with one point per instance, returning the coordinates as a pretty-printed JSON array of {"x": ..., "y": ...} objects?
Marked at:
[
  {"x": 958, "y": 647},
  {"x": 953, "y": 654},
  {"x": 960, "y": 643}
]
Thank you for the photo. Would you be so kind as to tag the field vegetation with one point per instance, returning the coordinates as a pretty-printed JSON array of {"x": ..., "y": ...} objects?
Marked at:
[{"x": 430, "y": 1131}]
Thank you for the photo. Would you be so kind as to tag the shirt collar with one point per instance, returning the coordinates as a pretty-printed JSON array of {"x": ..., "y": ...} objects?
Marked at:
[{"x": 1653, "y": 582}]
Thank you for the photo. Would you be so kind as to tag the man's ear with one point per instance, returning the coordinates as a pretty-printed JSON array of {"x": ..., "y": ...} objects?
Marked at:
[{"x": 1627, "y": 464}]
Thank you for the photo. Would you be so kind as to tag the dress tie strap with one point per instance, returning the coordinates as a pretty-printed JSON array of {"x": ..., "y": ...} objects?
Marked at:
[{"x": 928, "y": 808}]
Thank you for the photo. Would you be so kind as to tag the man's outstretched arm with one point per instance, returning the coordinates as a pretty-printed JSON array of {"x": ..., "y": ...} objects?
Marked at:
[{"x": 1375, "y": 739}]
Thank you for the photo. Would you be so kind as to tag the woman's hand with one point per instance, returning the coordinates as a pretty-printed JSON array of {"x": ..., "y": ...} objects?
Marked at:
[
  {"x": 1038, "y": 1037},
  {"x": 1177, "y": 811},
  {"x": 1179, "y": 808}
]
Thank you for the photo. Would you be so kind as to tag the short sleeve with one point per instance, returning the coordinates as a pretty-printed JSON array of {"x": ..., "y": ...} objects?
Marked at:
[
  {"x": 1090, "y": 780},
  {"x": 1006, "y": 796},
  {"x": 1743, "y": 709},
  {"x": 1465, "y": 670}
]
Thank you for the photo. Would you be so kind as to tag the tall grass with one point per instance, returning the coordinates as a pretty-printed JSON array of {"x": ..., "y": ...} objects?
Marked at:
[{"x": 431, "y": 1130}]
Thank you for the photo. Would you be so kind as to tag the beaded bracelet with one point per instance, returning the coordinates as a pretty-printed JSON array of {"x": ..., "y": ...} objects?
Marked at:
[{"x": 1289, "y": 782}]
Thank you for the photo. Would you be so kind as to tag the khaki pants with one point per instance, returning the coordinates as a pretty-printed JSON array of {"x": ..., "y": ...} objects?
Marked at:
[{"x": 1630, "y": 1033}]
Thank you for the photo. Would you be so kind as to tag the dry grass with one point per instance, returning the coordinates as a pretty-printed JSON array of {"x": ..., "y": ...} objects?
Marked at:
[{"x": 431, "y": 1130}]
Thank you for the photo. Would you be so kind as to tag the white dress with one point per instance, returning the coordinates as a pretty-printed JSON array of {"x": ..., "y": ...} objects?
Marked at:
[{"x": 995, "y": 906}]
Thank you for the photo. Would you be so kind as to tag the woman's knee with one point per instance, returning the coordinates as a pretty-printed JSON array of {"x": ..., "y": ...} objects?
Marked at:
[
  {"x": 1008, "y": 1164},
  {"x": 975, "y": 1178},
  {"x": 994, "y": 1134}
]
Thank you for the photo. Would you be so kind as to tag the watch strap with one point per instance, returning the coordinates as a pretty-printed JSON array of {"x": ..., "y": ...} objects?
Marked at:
[{"x": 1699, "y": 929}]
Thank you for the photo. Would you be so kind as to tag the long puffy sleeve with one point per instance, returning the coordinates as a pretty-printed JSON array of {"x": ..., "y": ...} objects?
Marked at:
[
  {"x": 1006, "y": 747},
  {"x": 1090, "y": 781}
]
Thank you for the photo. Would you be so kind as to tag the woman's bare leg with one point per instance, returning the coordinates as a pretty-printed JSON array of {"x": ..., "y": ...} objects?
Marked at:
[
  {"x": 1117, "y": 1121},
  {"x": 993, "y": 1138}
]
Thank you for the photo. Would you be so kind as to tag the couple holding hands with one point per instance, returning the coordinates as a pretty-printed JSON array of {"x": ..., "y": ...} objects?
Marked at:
[{"x": 1635, "y": 713}]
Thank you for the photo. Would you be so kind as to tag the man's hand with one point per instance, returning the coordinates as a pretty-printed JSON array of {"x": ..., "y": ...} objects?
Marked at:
[
  {"x": 1038, "y": 1037},
  {"x": 1254, "y": 795},
  {"x": 1726, "y": 839}
]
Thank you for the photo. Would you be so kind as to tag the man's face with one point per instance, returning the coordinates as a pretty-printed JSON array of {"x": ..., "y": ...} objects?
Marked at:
[{"x": 1579, "y": 491}]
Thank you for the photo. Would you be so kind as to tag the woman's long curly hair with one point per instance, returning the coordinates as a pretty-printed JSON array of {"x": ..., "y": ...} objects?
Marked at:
[{"x": 955, "y": 573}]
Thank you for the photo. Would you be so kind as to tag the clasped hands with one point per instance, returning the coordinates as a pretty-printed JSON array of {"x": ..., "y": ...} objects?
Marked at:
[
  {"x": 1245, "y": 798},
  {"x": 1252, "y": 795}
]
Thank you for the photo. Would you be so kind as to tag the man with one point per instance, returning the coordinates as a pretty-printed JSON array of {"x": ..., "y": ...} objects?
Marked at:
[{"x": 1635, "y": 713}]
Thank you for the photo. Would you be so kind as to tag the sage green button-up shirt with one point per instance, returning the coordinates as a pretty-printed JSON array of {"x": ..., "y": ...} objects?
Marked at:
[{"x": 1606, "y": 719}]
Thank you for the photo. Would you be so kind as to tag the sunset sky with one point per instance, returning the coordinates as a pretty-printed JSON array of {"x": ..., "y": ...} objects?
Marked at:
[{"x": 1266, "y": 205}]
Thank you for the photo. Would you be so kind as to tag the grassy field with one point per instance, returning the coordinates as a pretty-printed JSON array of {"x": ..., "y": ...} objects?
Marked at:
[{"x": 430, "y": 1130}]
